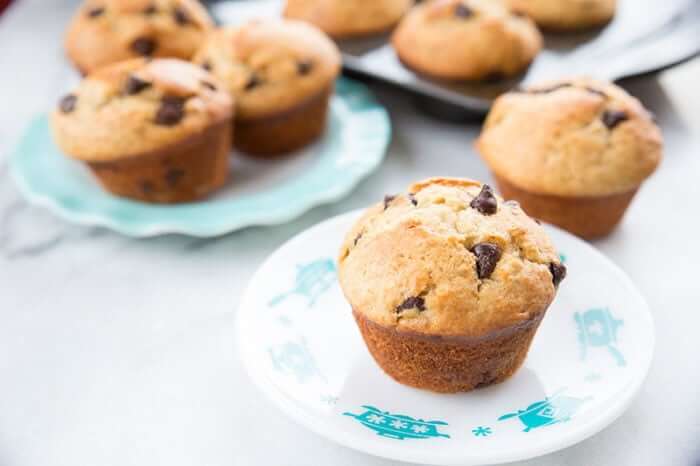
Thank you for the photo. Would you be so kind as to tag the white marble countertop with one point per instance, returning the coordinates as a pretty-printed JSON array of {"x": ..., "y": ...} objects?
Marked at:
[{"x": 115, "y": 351}]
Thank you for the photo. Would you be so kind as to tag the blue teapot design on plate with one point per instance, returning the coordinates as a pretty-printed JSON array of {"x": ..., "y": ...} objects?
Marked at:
[
  {"x": 597, "y": 328},
  {"x": 312, "y": 280},
  {"x": 552, "y": 410},
  {"x": 398, "y": 426},
  {"x": 295, "y": 358}
]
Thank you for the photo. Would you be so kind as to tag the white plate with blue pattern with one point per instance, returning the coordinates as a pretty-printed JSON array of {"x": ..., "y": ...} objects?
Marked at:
[
  {"x": 301, "y": 347},
  {"x": 260, "y": 192}
]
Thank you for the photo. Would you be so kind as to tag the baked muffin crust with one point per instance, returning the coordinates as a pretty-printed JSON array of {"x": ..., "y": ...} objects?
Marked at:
[
  {"x": 448, "y": 258},
  {"x": 348, "y": 18},
  {"x": 271, "y": 66},
  {"x": 138, "y": 107},
  {"x": 577, "y": 137},
  {"x": 107, "y": 31},
  {"x": 466, "y": 39},
  {"x": 566, "y": 14}
]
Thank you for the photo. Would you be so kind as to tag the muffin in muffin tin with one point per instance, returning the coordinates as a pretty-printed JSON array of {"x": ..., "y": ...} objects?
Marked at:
[
  {"x": 572, "y": 152},
  {"x": 342, "y": 19},
  {"x": 153, "y": 130},
  {"x": 566, "y": 15},
  {"x": 448, "y": 284},
  {"x": 281, "y": 74},
  {"x": 103, "y": 32},
  {"x": 466, "y": 40}
]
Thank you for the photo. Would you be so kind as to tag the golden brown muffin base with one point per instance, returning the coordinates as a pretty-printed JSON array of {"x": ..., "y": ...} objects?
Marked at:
[
  {"x": 448, "y": 364},
  {"x": 586, "y": 217},
  {"x": 188, "y": 171},
  {"x": 286, "y": 131}
]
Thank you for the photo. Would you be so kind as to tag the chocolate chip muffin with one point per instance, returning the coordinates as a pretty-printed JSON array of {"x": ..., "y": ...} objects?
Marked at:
[
  {"x": 107, "y": 31},
  {"x": 466, "y": 40},
  {"x": 348, "y": 18},
  {"x": 448, "y": 284},
  {"x": 152, "y": 130},
  {"x": 566, "y": 15},
  {"x": 282, "y": 74},
  {"x": 572, "y": 152}
]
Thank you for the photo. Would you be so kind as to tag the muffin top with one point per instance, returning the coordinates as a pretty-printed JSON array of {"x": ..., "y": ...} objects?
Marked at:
[
  {"x": 271, "y": 65},
  {"x": 448, "y": 258},
  {"x": 347, "y": 18},
  {"x": 137, "y": 107},
  {"x": 575, "y": 137},
  {"x": 566, "y": 14},
  {"x": 466, "y": 39},
  {"x": 107, "y": 31}
]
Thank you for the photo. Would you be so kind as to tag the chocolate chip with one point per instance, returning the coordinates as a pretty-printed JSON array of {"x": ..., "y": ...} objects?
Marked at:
[
  {"x": 388, "y": 200},
  {"x": 304, "y": 67},
  {"x": 150, "y": 10},
  {"x": 135, "y": 85},
  {"x": 173, "y": 175},
  {"x": 171, "y": 111},
  {"x": 612, "y": 118},
  {"x": 558, "y": 272},
  {"x": 95, "y": 12},
  {"x": 67, "y": 103},
  {"x": 414, "y": 302},
  {"x": 485, "y": 202},
  {"x": 181, "y": 16},
  {"x": 206, "y": 66},
  {"x": 412, "y": 198},
  {"x": 144, "y": 46},
  {"x": 146, "y": 187},
  {"x": 519, "y": 14},
  {"x": 253, "y": 82},
  {"x": 595, "y": 91},
  {"x": 463, "y": 11},
  {"x": 487, "y": 256},
  {"x": 209, "y": 86},
  {"x": 357, "y": 238}
]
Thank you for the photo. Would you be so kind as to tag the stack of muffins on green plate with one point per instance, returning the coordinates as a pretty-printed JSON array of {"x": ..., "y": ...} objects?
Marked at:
[{"x": 166, "y": 95}]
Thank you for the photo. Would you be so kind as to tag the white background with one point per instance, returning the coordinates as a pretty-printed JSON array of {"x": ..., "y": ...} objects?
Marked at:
[{"x": 116, "y": 351}]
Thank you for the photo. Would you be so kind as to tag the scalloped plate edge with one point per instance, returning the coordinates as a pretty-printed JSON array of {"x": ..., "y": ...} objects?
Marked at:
[{"x": 331, "y": 194}]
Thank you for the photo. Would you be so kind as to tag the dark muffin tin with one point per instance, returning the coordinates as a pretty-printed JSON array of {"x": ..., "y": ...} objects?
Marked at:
[{"x": 645, "y": 36}]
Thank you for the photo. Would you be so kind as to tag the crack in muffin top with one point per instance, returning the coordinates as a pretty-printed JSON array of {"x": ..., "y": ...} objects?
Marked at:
[
  {"x": 576, "y": 137},
  {"x": 137, "y": 107},
  {"x": 270, "y": 66},
  {"x": 444, "y": 267}
]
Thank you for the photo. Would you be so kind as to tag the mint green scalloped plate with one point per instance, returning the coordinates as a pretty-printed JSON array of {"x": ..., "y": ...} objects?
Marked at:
[{"x": 259, "y": 193}]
